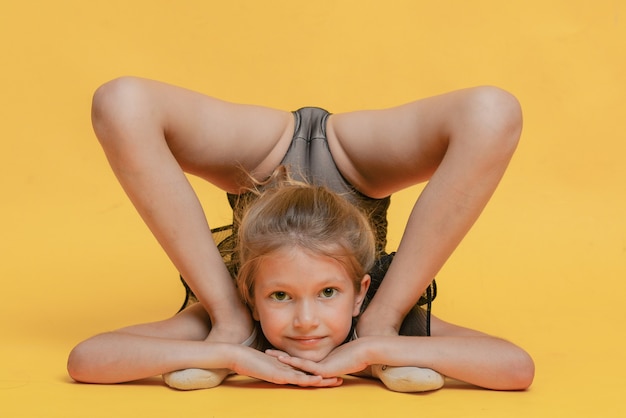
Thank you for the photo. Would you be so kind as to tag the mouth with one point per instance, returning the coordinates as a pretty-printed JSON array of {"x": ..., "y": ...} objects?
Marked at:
[{"x": 306, "y": 340}]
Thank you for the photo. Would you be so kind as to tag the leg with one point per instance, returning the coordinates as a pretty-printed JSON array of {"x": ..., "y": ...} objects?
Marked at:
[
  {"x": 409, "y": 378},
  {"x": 150, "y": 133},
  {"x": 463, "y": 142}
]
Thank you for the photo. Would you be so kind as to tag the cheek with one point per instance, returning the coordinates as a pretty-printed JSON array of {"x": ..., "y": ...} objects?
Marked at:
[
  {"x": 341, "y": 323},
  {"x": 272, "y": 324}
]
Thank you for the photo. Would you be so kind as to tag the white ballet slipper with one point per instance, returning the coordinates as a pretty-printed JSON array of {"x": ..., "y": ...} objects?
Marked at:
[
  {"x": 192, "y": 379},
  {"x": 408, "y": 379}
]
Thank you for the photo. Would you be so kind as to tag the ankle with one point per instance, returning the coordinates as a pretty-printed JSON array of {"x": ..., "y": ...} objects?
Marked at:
[
  {"x": 233, "y": 328},
  {"x": 231, "y": 332},
  {"x": 379, "y": 322}
]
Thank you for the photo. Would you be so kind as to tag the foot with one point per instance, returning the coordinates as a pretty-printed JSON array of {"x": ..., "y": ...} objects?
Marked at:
[
  {"x": 192, "y": 379},
  {"x": 408, "y": 379}
]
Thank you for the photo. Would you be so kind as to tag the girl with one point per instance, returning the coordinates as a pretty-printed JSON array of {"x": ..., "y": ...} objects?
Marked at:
[
  {"x": 304, "y": 254},
  {"x": 461, "y": 142}
]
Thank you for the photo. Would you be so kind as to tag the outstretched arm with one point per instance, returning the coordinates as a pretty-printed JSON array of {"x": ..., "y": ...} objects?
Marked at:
[
  {"x": 147, "y": 350},
  {"x": 453, "y": 351},
  {"x": 117, "y": 357}
]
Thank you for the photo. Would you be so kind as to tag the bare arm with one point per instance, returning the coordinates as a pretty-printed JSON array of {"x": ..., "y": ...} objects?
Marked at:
[
  {"x": 453, "y": 351},
  {"x": 147, "y": 350},
  {"x": 115, "y": 357}
]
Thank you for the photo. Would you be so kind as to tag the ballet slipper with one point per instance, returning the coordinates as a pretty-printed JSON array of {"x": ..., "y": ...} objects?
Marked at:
[
  {"x": 408, "y": 379},
  {"x": 192, "y": 379}
]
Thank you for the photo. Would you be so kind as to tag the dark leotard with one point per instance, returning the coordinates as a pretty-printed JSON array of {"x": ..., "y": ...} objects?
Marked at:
[{"x": 309, "y": 159}]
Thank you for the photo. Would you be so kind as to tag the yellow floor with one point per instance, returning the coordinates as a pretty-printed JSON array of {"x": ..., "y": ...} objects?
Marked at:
[
  {"x": 578, "y": 373},
  {"x": 545, "y": 266}
]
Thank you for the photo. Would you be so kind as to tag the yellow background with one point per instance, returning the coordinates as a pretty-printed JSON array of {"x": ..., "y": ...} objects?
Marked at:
[{"x": 544, "y": 266}]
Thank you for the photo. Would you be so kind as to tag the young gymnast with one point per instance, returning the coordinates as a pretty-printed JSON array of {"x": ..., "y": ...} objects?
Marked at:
[
  {"x": 461, "y": 142},
  {"x": 303, "y": 258}
]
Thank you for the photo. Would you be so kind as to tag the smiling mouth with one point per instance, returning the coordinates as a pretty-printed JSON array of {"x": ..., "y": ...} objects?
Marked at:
[{"x": 306, "y": 340}]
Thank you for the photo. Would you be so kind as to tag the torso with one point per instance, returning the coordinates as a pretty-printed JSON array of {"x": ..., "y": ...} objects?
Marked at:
[{"x": 312, "y": 156}]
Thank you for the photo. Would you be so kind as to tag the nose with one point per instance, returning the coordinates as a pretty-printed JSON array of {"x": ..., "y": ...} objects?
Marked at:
[{"x": 306, "y": 316}]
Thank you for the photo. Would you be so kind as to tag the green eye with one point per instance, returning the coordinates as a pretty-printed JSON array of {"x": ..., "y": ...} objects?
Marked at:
[
  {"x": 329, "y": 292},
  {"x": 279, "y": 296}
]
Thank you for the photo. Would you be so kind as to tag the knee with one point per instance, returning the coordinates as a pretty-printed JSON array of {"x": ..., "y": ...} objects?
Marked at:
[
  {"x": 113, "y": 106},
  {"x": 497, "y": 117}
]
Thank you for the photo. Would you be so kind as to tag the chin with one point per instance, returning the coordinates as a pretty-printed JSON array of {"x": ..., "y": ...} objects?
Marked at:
[{"x": 312, "y": 356}]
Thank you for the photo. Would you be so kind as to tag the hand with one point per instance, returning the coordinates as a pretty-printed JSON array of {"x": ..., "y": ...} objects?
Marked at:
[
  {"x": 268, "y": 367},
  {"x": 346, "y": 359}
]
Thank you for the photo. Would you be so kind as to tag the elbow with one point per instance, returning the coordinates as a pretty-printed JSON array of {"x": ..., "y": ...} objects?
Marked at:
[
  {"x": 87, "y": 363},
  {"x": 521, "y": 373},
  {"x": 78, "y": 364},
  {"x": 527, "y": 373},
  {"x": 75, "y": 365}
]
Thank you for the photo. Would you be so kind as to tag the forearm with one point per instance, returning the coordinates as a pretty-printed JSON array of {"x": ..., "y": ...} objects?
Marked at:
[
  {"x": 116, "y": 357},
  {"x": 484, "y": 361}
]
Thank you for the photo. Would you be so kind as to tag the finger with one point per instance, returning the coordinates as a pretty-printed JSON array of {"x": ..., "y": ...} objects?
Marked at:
[
  {"x": 322, "y": 383},
  {"x": 331, "y": 382},
  {"x": 302, "y": 364},
  {"x": 276, "y": 353}
]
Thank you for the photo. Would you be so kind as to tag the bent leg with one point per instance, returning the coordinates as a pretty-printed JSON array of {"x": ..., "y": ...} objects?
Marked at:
[
  {"x": 151, "y": 133},
  {"x": 463, "y": 142}
]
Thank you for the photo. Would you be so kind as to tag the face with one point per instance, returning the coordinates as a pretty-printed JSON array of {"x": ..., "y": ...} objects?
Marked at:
[{"x": 305, "y": 302}]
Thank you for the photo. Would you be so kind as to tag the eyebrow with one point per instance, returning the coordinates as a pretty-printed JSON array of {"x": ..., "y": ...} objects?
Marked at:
[{"x": 281, "y": 283}]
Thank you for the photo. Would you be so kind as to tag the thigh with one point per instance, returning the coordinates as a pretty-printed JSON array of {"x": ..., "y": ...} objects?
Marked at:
[
  {"x": 383, "y": 151},
  {"x": 208, "y": 137}
]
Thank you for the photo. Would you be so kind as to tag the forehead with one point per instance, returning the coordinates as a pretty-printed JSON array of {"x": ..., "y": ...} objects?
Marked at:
[{"x": 295, "y": 266}]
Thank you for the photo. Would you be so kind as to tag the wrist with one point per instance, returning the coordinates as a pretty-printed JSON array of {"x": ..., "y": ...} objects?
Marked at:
[
  {"x": 235, "y": 356},
  {"x": 374, "y": 349}
]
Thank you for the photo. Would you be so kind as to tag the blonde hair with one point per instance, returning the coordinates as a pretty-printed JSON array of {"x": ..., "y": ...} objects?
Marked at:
[{"x": 292, "y": 214}]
